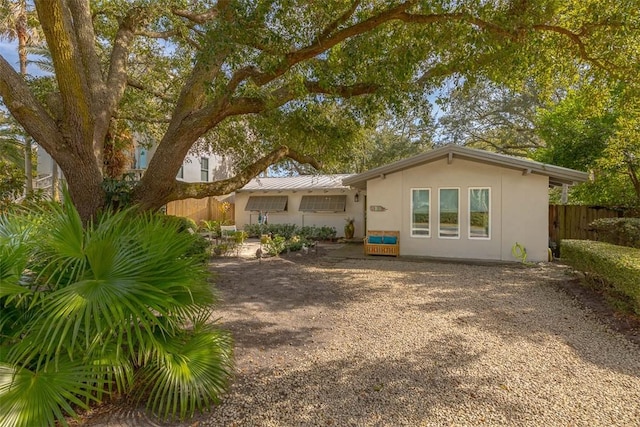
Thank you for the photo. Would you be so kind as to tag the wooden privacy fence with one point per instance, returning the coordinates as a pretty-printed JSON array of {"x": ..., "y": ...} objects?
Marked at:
[
  {"x": 572, "y": 221},
  {"x": 208, "y": 209}
]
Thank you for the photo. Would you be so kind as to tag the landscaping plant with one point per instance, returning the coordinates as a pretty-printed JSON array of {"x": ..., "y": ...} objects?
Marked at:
[
  {"x": 610, "y": 268},
  {"x": 618, "y": 231},
  {"x": 114, "y": 307},
  {"x": 275, "y": 245}
]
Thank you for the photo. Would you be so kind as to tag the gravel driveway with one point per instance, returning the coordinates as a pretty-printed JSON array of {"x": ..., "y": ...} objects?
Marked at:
[{"x": 376, "y": 342}]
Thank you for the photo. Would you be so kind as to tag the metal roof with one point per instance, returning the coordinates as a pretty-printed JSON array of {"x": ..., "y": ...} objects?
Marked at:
[
  {"x": 302, "y": 182},
  {"x": 557, "y": 175}
]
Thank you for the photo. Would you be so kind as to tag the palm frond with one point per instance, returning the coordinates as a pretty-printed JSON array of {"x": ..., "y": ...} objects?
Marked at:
[
  {"x": 111, "y": 297},
  {"x": 190, "y": 372},
  {"x": 60, "y": 254},
  {"x": 42, "y": 398}
]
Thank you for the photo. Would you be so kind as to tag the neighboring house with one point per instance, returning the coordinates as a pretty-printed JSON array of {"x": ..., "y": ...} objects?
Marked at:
[
  {"x": 307, "y": 200},
  {"x": 457, "y": 202},
  {"x": 201, "y": 167}
]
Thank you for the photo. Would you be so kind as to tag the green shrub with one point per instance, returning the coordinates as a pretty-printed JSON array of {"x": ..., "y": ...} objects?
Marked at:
[
  {"x": 296, "y": 243},
  {"x": 116, "y": 307},
  {"x": 616, "y": 268},
  {"x": 284, "y": 230},
  {"x": 313, "y": 233},
  {"x": 618, "y": 231},
  {"x": 275, "y": 245},
  {"x": 183, "y": 223},
  {"x": 199, "y": 247},
  {"x": 212, "y": 227},
  {"x": 287, "y": 231},
  {"x": 255, "y": 230}
]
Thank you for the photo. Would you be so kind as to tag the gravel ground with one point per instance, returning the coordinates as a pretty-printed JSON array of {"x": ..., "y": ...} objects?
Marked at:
[{"x": 374, "y": 342}]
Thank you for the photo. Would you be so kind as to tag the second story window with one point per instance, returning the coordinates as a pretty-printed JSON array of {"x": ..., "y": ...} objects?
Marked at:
[{"x": 204, "y": 169}]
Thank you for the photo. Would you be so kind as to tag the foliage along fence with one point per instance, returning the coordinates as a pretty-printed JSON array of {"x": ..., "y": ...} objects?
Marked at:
[
  {"x": 207, "y": 209},
  {"x": 572, "y": 221}
]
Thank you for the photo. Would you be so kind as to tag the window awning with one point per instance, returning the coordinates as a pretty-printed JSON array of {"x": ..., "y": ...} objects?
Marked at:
[
  {"x": 323, "y": 203},
  {"x": 267, "y": 203}
]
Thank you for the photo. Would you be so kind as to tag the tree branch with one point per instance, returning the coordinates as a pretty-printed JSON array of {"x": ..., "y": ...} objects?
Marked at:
[
  {"x": 136, "y": 118},
  {"x": 277, "y": 98},
  {"x": 27, "y": 110},
  {"x": 577, "y": 41},
  {"x": 138, "y": 85},
  {"x": 324, "y": 44},
  {"x": 198, "y": 18},
  {"x": 462, "y": 17},
  {"x": 85, "y": 37},
  {"x": 184, "y": 190},
  {"x": 341, "y": 20},
  {"x": 344, "y": 91},
  {"x": 158, "y": 34},
  {"x": 57, "y": 27}
]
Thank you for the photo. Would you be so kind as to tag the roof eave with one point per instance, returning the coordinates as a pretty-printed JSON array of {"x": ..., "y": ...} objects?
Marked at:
[{"x": 557, "y": 175}]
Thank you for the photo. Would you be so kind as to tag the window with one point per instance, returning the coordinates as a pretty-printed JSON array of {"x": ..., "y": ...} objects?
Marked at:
[
  {"x": 180, "y": 173},
  {"x": 323, "y": 203},
  {"x": 141, "y": 158},
  {"x": 266, "y": 203},
  {"x": 420, "y": 210},
  {"x": 449, "y": 213},
  {"x": 479, "y": 213},
  {"x": 204, "y": 169}
]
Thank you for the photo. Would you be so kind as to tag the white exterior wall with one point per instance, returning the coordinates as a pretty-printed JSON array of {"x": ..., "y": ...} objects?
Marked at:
[
  {"x": 294, "y": 216},
  {"x": 518, "y": 212},
  {"x": 525, "y": 208},
  {"x": 219, "y": 168}
]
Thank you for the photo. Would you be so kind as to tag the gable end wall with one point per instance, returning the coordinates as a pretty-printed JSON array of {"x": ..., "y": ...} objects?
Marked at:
[{"x": 519, "y": 205}]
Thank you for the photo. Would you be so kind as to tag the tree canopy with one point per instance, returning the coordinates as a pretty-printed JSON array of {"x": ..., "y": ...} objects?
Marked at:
[
  {"x": 285, "y": 79},
  {"x": 597, "y": 131}
]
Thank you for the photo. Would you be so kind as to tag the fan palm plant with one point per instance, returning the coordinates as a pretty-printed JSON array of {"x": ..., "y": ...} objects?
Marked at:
[{"x": 116, "y": 306}]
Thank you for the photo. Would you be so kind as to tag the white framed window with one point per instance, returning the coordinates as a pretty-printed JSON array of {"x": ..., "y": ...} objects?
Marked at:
[
  {"x": 449, "y": 213},
  {"x": 480, "y": 213},
  {"x": 420, "y": 212},
  {"x": 204, "y": 169}
]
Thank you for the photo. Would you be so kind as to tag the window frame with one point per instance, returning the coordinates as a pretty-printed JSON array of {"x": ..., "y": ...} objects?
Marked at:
[
  {"x": 488, "y": 237},
  {"x": 411, "y": 213},
  {"x": 204, "y": 171},
  {"x": 440, "y": 235}
]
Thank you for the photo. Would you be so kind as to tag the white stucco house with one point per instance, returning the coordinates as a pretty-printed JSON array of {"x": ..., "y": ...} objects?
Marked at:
[
  {"x": 457, "y": 202},
  {"x": 307, "y": 200},
  {"x": 196, "y": 167}
]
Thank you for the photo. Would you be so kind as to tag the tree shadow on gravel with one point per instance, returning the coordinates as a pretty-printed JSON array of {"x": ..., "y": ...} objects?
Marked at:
[
  {"x": 403, "y": 390},
  {"x": 266, "y": 335},
  {"x": 422, "y": 387},
  {"x": 278, "y": 284},
  {"x": 508, "y": 300},
  {"x": 528, "y": 304}
]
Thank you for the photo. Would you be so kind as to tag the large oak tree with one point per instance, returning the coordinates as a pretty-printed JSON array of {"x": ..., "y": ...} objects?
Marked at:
[{"x": 246, "y": 74}]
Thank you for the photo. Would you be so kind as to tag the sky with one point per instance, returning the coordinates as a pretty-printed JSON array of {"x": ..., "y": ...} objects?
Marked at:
[{"x": 9, "y": 51}]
